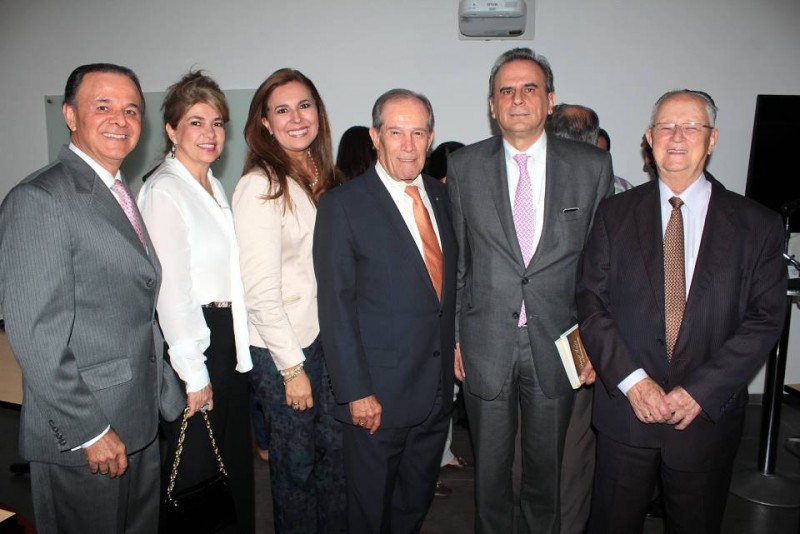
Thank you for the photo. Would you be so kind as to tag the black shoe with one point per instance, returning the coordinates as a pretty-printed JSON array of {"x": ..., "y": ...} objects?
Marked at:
[
  {"x": 442, "y": 490},
  {"x": 461, "y": 466},
  {"x": 655, "y": 509},
  {"x": 793, "y": 446}
]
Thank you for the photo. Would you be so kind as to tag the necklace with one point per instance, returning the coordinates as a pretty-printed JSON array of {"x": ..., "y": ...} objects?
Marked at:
[{"x": 315, "y": 181}]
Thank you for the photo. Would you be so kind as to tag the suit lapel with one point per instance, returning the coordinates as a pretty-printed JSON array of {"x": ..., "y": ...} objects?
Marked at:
[
  {"x": 438, "y": 201},
  {"x": 557, "y": 172},
  {"x": 494, "y": 168},
  {"x": 103, "y": 201},
  {"x": 406, "y": 242},
  {"x": 651, "y": 247},
  {"x": 719, "y": 234}
]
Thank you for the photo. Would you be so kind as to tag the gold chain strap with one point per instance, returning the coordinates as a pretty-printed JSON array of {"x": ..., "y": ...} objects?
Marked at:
[{"x": 173, "y": 475}]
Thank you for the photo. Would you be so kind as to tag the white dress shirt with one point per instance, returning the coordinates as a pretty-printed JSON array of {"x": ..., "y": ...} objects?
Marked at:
[
  {"x": 694, "y": 210},
  {"x": 537, "y": 166},
  {"x": 405, "y": 204},
  {"x": 194, "y": 238},
  {"x": 98, "y": 169}
]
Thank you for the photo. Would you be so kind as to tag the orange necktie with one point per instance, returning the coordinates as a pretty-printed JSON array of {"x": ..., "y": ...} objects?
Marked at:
[{"x": 432, "y": 254}]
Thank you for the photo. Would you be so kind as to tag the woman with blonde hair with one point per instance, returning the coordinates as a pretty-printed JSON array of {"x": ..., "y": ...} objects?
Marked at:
[{"x": 201, "y": 302}]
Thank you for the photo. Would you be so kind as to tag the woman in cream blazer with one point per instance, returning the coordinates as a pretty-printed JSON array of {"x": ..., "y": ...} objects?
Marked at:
[{"x": 288, "y": 165}]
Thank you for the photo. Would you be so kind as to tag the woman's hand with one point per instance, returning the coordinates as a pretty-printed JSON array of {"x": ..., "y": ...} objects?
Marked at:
[
  {"x": 197, "y": 399},
  {"x": 298, "y": 392}
]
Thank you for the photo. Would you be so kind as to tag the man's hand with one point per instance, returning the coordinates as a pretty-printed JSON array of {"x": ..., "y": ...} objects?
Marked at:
[
  {"x": 459, "y": 364},
  {"x": 298, "y": 393},
  {"x": 366, "y": 413},
  {"x": 649, "y": 402},
  {"x": 683, "y": 408},
  {"x": 197, "y": 399},
  {"x": 588, "y": 375},
  {"x": 107, "y": 456}
]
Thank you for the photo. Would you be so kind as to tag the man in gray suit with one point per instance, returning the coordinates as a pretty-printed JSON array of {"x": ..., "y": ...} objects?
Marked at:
[
  {"x": 522, "y": 206},
  {"x": 78, "y": 287}
]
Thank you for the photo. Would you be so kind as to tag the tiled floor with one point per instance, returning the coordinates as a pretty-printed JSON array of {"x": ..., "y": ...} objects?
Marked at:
[{"x": 453, "y": 514}]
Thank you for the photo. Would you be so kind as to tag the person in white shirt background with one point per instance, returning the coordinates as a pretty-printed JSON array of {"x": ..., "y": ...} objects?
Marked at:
[{"x": 201, "y": 305}]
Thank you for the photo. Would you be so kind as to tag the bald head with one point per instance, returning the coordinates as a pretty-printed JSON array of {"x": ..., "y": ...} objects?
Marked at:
[{"x": 575, "y": 122}]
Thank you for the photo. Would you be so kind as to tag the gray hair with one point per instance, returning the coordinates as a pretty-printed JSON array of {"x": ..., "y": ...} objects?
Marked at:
[
  {"x": 400, "y": 94},
  {"x": 525, "y": 54},
  {"x": 575, "y": 122},
  {"x": 711, "y": 107}
]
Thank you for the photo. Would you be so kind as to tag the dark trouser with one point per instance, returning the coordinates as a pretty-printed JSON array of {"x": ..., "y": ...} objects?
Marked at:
[
  {"x": 391, "y": 475},
  {"x": 493, "y": 427},
  {"x": 230, "y": 421},
  {"x": 305, "y": 448},
  {"x": 69, "y": 500},
  {"x": 624, "y": 480},
  {"x": 577, "y": 467}
]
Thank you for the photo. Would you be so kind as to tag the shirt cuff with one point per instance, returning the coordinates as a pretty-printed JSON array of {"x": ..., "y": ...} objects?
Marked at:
[
  {"x": 197, "y": 381},
  {"x": 93, "y": 440},
  {"x": 631, "y": 380}
]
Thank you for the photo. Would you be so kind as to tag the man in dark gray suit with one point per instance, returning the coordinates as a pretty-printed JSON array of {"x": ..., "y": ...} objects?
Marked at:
[
  {"x": 522, "y": 206},
  {"x": 78, "y": 287}
]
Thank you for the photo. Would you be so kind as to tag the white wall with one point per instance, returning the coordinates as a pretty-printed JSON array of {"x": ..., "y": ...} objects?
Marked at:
[{"x": 616, "y": 56}]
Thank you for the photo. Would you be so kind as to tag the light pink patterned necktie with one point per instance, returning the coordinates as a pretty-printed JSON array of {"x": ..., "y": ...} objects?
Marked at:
[
  {"x": 524, "y": 219},
  {"x": 129, "y": 207}
]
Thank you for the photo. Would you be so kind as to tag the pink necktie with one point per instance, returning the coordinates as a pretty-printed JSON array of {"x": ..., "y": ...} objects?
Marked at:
[
  {"x": 524, "y": 219},
  {"x": 129, "y": 207}
]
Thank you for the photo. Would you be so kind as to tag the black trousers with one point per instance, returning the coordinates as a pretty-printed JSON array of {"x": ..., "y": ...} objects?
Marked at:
[
  {"x": 230, "y": 421},
  {"x": 391, "y": 475},
  {"x": 624, "y": 480}
]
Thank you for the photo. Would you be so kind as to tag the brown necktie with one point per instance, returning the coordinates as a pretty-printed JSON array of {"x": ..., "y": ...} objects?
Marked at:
[
  {"x": 674, "y": 275},
  {"x": 432, "y": 254}
]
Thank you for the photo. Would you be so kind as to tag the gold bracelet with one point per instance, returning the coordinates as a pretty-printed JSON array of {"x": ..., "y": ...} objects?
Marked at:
[{"x": 289, "y": 375}]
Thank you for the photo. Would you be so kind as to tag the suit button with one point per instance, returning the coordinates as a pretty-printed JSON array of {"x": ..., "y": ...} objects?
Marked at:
[
  {"x": 440, "y": 313},
  {"x": 153, "y": 358},
  {"x": 436, "y": 354},
  {"x": 524, "y": 281},
  {"x": 515, "y": 315},
  {"x": 150, "y": 282}
]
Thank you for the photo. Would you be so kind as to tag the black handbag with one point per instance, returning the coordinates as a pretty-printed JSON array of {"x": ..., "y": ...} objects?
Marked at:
[{"x": 204, "y": 507}]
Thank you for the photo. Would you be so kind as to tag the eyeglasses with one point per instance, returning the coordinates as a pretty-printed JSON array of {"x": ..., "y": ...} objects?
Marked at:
[{"x": 688, "y": 129}]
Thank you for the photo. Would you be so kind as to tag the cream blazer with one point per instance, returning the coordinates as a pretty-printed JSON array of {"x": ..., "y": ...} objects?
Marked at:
[{"x": 277, "y": 269}]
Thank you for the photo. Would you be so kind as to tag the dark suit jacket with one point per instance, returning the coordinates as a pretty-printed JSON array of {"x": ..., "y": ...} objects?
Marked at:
[
  {"x": 383, "y": 329},
  {"x": 492, "y": 279},
  {"x": 78, "y": 292},
  {"x": 733, "y": 317}
]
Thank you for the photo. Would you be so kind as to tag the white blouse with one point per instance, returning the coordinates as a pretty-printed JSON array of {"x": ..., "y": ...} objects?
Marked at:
[{"x": 194, "y": 239}]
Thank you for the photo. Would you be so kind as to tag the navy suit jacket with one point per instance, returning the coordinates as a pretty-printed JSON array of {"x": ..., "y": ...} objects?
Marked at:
[
  {"x": 733, "y": 317},
  {"x": 383, "y": 329}
]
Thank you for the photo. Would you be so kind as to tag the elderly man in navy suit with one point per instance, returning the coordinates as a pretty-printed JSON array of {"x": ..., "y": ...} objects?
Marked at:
[
  {"x": 385, "y": 259},
  {"x": 682, "y": 296},
  {"x": 78, "y": 287}
]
